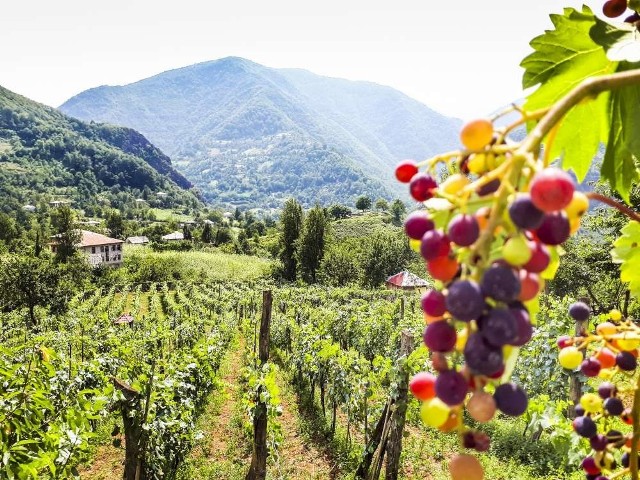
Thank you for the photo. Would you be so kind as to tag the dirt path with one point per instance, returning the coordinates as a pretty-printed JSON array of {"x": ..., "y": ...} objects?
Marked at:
[
  {"x": 222, "y": 452},
  {"x": 300, "y": 457}
]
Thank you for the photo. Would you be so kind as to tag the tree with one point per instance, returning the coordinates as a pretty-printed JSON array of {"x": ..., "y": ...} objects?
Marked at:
[
  {"x": 382, "y": 205},
  {"x": 311, "y": 243},
  {"x": 338, "y": 211},
  {"x": 363, "y": 203},
  {"x": 398, "y": 209},
  {"x": 115, "y": 224},
  {"x": 186, "y": 231},
  {"x": 207, "y": 234},
  {"x": 339, "y": 266},
  {"x": 67, "y": 234},
  {"x": 29, "y": 282},
  {"x": 290, "y": 226},
  {"x": 384, "y": 254},
  {"x": 8, "y": 228}
]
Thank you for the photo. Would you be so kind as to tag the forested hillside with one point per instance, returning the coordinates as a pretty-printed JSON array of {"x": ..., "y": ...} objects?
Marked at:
[
  {"x": 45, "y": 154},
  {"x": 252, "y": 136}
]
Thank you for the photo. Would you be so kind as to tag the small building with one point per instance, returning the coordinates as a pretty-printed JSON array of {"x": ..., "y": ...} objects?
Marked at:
[
  {"x": 173, "y": 237},
  {"x": 137, "y": 240},
  {"x": 99, "y": 249},
  {"x": 29, "y": 208},
  {"x": 161, "y": 194},
  {"x": 91, "y": 223},
  {"x": 406, "y": 281},
  {"x": 58, "y": 203}
]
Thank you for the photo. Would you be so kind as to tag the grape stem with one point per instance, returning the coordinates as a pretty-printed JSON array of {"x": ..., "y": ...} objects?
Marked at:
[
  {"x": 590, "y": 87},
  {"x": 615, "y": 204}
]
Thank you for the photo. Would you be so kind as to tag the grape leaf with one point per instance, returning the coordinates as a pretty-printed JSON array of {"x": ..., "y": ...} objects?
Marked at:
[
  {"x": 621, "y": 42},
  {"x": 626, "y": 251},
  {"x": 623, "y": 148},
  {"x": 561, "y": 60}
]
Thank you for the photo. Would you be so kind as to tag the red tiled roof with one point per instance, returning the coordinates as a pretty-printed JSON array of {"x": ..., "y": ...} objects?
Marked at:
[
  {"x": 92, "y": 239},
  {"x": 407, "y": 280}
]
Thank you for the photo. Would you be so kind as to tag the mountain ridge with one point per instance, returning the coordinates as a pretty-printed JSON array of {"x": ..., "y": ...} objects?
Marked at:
[{"x": 206, "y": 115}]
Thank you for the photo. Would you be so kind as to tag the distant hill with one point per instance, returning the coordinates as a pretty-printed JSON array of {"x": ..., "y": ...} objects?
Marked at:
[
  {"x": 45, "y": 154},
  {"x": 250, "y": 135}
]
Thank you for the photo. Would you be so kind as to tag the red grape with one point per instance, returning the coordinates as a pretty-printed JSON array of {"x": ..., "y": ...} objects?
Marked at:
[
  {"x": 422, "y": 385},
  {"x": 451, "y": 387},
  {"x": 417, "y": 224},
  {"x": 463, "y": 230},
  {"x": 540, "y": 258},
  {"x": 422, "y": 186},
  {"x": 433, "y": 303},
  {"x": 551, "y": 189},
  {"x": 434, "y": 244},
  {"x": 443, "y": 268},
  {"x": 406, "y": 170},
  {"x": 440, "y": 336},
  {"x": 555, "y": 228},
  {"x": 524, "y": 213},
  {"x": 614, "y": 8}
]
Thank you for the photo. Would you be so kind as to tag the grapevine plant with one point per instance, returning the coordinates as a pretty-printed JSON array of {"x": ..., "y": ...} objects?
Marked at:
[{"x": 491, "y": 234}]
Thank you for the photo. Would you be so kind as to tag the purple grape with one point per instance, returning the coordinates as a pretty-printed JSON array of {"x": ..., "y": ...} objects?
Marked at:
[
  {"x": 482, "y": 442},
  {"x": 625, "y": 460},
  {"x": 511, "y": 399},
  {"x": 613, "y": 406},
  {"x": 554, "y": 229},
  {"x": 590, "y": 367},
  {"x": 451, "y": 387},
  {"x": 464, "y": 300},
  {"x": 626, "y": 361},
  {"x": 524, "y": 213},
  {"x": 580, "y": 311},
  {"x": 433, "y": 303},
  {"x": 606, "y": 390},
  {"x": 440, "y": 336},
  {"x": 434, "y": 244},
  {"x": 584, "y": 426},
  {"x": 523, "y": 324},
  {"x": 579, "y": 410},
  {"x": 417, "y": 224},
  {"x": 598, "y": 442},
  {"x": 489, "y": 187},
  {"x": 498, "y": 327},
  {"x": 589, "y": 464},
  {"x": 615, "y": 437},
  {"x": 481, "y": 357},
  {"x": 500, "y": 283},
  {"x": 463, "y": 230},
  {"x": 468, "y": 439}
]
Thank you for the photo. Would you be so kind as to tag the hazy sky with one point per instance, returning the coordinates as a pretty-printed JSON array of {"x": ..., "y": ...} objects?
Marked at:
[{"x": 460, "y": 57}]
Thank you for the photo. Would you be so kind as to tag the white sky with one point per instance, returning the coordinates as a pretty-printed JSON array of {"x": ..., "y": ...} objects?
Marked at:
[{"x": 459, "y": 57}]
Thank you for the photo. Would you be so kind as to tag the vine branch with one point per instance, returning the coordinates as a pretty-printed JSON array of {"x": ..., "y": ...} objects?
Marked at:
[{"x": 615, "y": 204}]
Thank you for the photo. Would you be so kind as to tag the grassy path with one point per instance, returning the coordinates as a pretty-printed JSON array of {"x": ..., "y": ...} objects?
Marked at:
[
  {"x": 223, "y": 452},
  {"x": 300, "y": 456}
]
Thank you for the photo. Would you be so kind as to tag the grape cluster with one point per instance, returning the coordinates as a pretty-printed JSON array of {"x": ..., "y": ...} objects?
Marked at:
[
  {"x": 488, "y": 243},
  {"x": 609, "y": 353},
  {"x": 615, "y": 8}
]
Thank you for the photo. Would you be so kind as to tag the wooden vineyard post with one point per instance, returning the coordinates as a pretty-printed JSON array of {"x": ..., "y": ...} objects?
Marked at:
[
  {"x": 387, "y": 436},
  {"x": 132, "y": 430},
  {"x": 394, "y": 448},
  {"x": 258, "y": 469}
]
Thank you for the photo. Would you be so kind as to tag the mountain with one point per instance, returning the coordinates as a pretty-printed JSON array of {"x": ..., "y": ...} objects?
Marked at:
[
  {"x": 249, "y": 135},
  {"x": 44, "y": 153}
]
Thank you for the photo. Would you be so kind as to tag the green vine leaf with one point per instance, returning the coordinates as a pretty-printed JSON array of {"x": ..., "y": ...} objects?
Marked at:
[
  {"x": 623, "y": 148},
  {"x": 621, "y": 42},
  {"x": 557, "y": 71},
  {"x": 626, "y": 251}
]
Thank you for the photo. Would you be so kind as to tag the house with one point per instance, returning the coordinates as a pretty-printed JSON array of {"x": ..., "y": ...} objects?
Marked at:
[
  {"x": 406, "y": 281},
  {"x": 99, "y": 249},
  {"x": 29, "y": 208},
  {"x": 137, "y": 240},
  {"x": 173, "y": 237}
]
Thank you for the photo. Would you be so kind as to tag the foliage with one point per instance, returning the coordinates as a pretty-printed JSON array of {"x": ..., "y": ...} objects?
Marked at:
[
  {"x": 311, "y": 243},
  {"x": 290, "y": 228},
  {"x": 383, "y": 255},
  {"x": 363, "y": 203},
  {"x": 627, "y": 252},
  {"x": 67, "y": 236}
]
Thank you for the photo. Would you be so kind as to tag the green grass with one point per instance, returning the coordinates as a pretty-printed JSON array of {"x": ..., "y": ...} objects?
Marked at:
[
  {"x": 168, "y": 215},
  {"x": 203, "y": 265},
  {"x": 362, "y": 226}
]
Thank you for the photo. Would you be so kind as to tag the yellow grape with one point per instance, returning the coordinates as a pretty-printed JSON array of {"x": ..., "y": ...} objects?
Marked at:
[
  {"x": 574, "y": 225},
  {"x": 465, "y": 467},
  {"x": 578, "y": 206},
  {"x": 591, "y": 402},
  {"x": 615, "y": 315},
  {"x": 606, "y": 373},
  {"x": 415, "y": 244},
  {"x": 477, "y": 134},
  {"x": 627, "y": 344},
  {"x": 461, "y": 340},
  {"x": 434, "y": 412},
  {"x": 454, "y": 184},
  {"x": 516, "y": 251},
  {"x": 606, "y": 329},
  {"x": 570, "y": 358},
  {"x": 477, "y": 163}
]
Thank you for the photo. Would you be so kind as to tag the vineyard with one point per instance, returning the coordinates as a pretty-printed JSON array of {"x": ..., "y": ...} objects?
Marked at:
[{"x": 121, "y": 380}]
